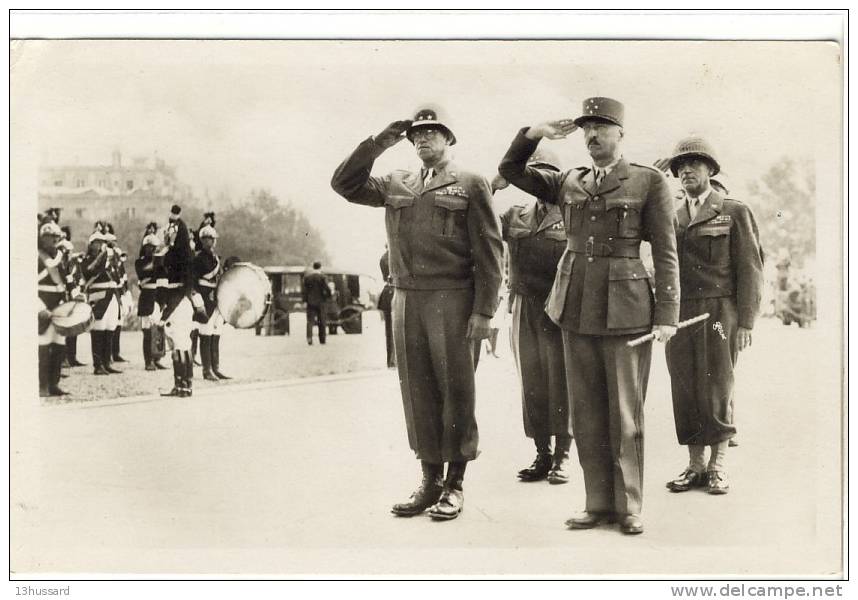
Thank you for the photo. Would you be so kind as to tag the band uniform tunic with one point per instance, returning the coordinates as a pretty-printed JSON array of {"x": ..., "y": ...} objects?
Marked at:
[
  {"x": 51, "y": 280},
  {"x": 536, "y": 243},
  {"x": 445, "y": 262},
  {"x": 601, "y": 298},
  {"x": 720, "y": 273}
]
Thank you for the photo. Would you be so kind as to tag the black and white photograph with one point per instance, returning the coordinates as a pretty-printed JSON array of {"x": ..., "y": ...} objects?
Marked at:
[{"x": 427, "y": 304}]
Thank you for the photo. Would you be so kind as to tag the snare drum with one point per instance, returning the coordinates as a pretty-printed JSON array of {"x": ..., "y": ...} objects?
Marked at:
[
  {"x": 243, "y": 295},
  {"x": 72, "y": 318}
]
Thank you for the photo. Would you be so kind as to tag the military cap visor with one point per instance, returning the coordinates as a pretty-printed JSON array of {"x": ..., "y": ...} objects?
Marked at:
[
  {"x": 680, "y": 158},
  {"x": 606, "y": 110}
]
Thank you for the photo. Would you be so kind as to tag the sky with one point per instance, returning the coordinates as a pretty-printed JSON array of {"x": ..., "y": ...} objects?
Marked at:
[{"x": 281, "y": 115}]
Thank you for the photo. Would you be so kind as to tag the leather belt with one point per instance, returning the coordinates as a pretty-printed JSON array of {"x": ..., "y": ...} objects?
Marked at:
[{"x": 623, "y": 248}]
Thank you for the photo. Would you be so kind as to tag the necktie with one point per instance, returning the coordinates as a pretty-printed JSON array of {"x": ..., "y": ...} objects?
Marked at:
[
  {"x": 693, "y": 205},
  {"x": 429, "y": 174}
]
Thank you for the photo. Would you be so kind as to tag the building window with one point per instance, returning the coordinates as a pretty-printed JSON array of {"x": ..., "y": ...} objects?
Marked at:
[
  {"x": 58, "y": 183},
  {"x": 129, "y": 184},
  {"x": 80, "y": 183},
  {"x": 150, "y": 182},
  {"x": 102, "y": 183},
  {"x": 116, "y": 184},
  {"x": 150, "y": 209},
  {"x": 132, "y": 211},
  {"x": 80, "y": 213}
]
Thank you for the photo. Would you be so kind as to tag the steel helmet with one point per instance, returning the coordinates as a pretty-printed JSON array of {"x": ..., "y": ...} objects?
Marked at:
[
  {"x": 431, "y": 115},
  {"x": 694, "y": 146}
]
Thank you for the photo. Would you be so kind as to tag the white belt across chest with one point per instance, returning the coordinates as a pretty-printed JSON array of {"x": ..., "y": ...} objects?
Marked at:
[
  {"x": 206, "y": 283},
  {"x": 103, "y": 285},
  {"x": 51, "y": 288}
]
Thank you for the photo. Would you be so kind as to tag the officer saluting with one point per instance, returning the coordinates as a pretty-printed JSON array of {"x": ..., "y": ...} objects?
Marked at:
[
  {"x": 721, "y": 272},
  {"x": 536, "y": 238},
  {"x": 602, "y": 298},
  {"x": 207, "y": 273},
  {"x": 180, "y": 302},
  {"x": 149, "y": 271},
  {"x": 445, "y": 255}
]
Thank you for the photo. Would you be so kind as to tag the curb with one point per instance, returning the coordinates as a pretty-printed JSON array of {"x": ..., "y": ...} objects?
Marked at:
[{"x": 214, "y": 390}]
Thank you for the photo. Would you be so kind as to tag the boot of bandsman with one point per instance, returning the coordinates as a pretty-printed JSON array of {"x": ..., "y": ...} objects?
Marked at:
[
  {"x": 535, "y": 236},
  {"x": 52, "y": 292},
  {"x": 721, "y": 266},
  {"x": 445, "y": 253},
  {"x": 602, "y": 298},
  {"x": 181, "y": 301},
  {"x": 208, "y": 269},
  {"x": 101, "y": 295}
]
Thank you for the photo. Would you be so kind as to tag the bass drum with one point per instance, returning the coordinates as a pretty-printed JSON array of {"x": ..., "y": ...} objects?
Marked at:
[
  {"x": 72, "y": 318},
  {"x": 243, "y": 295}
]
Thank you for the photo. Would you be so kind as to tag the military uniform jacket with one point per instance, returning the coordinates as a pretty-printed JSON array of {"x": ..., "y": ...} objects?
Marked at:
[
  {"x": 74, "y": 274},
  {"x": 535, "y": 247},
  {"x": 51, "y": 278},
  {"x": 207, "y": 271},
  {"x": 602, "y": 287},
  {"x": 719, "y": 255},
  {"x": 178, "y": 266},
  {"x": 148, "y": 274},
  {"x": 444, "y": 236},
  {"x": 100, "y": 285}
]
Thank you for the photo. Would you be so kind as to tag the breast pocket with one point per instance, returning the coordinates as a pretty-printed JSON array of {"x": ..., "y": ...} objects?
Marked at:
[
  {"x": 715, "y": 242},
  {"x": 626, "y": 213},
  {"x": 449, "y": 218},
  {"x": 396, "y": 206},
  {"x": 573, "y": 213}
]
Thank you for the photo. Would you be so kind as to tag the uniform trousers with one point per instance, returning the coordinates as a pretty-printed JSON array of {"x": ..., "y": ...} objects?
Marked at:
[
  {"x": 537, "y": 345},
  {"x": 178, "y": 327},
  {"x": 152, "y": 319},
  {"x": 436, "y": 372},
  {"x": 213, "y": 326},
  {"x": 607, "y": 382}
]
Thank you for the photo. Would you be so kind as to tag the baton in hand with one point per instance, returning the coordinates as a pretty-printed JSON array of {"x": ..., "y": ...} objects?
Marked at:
[{"x": 651, "y": 335}]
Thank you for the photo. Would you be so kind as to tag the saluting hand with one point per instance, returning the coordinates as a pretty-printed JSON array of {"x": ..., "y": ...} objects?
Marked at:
[
  {"x": 553, "y": 130},
  {"x": 499, "y": 183},
  {"x": 478, "y": 327},
  {"x": 743, "y": 338},
  {"x": 392, "y": 134}
]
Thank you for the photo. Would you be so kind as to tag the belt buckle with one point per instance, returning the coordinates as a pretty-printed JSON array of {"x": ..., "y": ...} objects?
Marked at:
[{"x": 588, "y": 247}]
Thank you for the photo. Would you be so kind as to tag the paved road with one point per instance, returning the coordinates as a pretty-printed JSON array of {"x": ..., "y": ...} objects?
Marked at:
[{"x": 298, "y": 479}]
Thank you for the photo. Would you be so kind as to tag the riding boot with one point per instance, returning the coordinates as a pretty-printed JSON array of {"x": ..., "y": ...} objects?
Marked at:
[
  {"x": 97, "y": 364},
  {"x": 147, "y": 349},
  {"x": 178, "y": 375},
  {"x": 107, "y": 351},
  {"x": 44, "y": 370},
  {"x": 189, "y": 374},
  {"x": 216, "y": 358},
  {"x": 426, "y": 494},
  {"x": 57, "y": 353},
  {"x": 452, "y": 499},
  {"x": 194, "y": 337},
  {"x": 206, "y": 357},
  {"x": 71, "y": 352},
  {"x": 115, "y": 345}
]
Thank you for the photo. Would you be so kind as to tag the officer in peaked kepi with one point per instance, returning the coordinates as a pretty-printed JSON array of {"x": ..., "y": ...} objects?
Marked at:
[
  {"x": 721, "y": 273},
  {"x": 445, "y": 263},
  {"x": 536, "y": 239},
  {"x": 602, "y": 298}
]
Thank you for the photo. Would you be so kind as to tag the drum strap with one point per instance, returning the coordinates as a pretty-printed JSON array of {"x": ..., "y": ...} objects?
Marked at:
[{"x": 51, "y": 266}]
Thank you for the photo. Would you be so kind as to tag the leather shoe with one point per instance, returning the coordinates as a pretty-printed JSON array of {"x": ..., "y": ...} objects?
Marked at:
[
  {"x": 559, "y": 472},
  {"x": 732, "y": 443},
  {"x": 425, "y": 496},
  {"x": 687, "y": 479},
  {"x": 717, "y": 482},
  {"x": 538, "y": 470},
  {"x": 631, "y": 524},
  {"x": 589, "y": 520},
  {"x": 449, "y": 505}
]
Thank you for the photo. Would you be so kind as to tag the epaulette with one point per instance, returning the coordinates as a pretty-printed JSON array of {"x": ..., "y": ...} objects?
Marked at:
[{"x": 646, "y": 167}]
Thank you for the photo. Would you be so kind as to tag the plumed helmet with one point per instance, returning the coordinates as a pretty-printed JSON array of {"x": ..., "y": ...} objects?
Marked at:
[
  {"x": 543, "y": 157},
  {"x": 693, "y": 147},
  {"x": 431, "y": 116},
  {"x": 98, "y": 232},
  {"x": 108, "y": 232},
  {"x": 208, "y": 219},
  {"x": 150, "y": 239},
  {"x": 207, "y": 232},
  {"x": 50, "y": 228}
]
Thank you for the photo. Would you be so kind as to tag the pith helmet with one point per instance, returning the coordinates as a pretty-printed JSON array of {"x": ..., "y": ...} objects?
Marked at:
[
  {"x": 600, "y": 108},
  {"x": 543, "y": 157},
  {"x": 431, "y": 115},
  {"x": 694, "y": 146}
]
